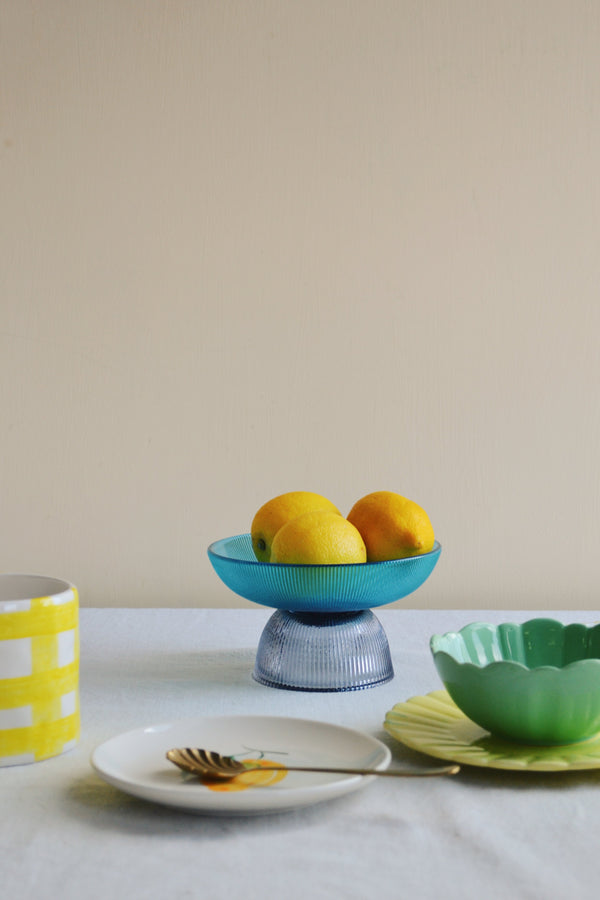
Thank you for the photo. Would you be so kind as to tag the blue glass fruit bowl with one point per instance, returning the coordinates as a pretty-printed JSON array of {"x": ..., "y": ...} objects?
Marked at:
[
  {"x": 323, "y": 635},
  {"x": 331, "y": 589}
]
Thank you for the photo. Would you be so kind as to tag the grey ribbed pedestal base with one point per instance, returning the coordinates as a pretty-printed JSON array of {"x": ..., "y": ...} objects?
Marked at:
[{"x": 323, "y": 652}]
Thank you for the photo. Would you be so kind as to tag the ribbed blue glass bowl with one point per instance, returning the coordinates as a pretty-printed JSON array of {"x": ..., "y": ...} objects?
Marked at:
[{"x": 327, "y": 589}]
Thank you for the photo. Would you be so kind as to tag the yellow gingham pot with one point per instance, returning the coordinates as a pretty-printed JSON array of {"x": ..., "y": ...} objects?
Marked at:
[{"x": 39, "y": 668}]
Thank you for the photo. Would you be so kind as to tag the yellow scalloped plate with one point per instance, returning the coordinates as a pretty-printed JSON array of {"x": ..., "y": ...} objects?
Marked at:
[{"x": 433, "y": 724}]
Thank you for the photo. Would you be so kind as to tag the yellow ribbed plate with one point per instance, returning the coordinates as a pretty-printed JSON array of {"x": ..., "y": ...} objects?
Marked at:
[{"x": 433, "y": 724}]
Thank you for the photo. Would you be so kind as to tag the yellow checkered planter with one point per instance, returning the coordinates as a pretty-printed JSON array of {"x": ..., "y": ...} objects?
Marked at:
[{"x": 39, "y": 668}]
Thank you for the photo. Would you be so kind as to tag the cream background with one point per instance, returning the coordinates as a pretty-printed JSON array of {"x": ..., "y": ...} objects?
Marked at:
[{"x": 250, "y": 247}]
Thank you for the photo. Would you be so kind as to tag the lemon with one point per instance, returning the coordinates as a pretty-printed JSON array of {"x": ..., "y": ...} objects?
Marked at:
[
  {"x": 276, "y": 512},
  {"x": 318, "y": 538},
  {"x": 391, "y": 526}
]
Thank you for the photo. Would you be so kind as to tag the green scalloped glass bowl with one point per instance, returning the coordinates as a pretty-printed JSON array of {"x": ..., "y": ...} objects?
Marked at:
[{"x": 535, "y": 683}]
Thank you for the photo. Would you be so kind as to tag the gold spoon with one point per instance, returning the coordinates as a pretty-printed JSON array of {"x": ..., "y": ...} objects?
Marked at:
[{"x": 209, "y": 764}]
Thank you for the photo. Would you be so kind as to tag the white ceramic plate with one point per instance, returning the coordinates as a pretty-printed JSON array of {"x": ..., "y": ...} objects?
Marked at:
[{"x": 135, "y": 762}]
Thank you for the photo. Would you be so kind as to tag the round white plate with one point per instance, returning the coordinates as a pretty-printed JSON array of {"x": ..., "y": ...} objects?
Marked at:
[{"x": 135, "y": 762}]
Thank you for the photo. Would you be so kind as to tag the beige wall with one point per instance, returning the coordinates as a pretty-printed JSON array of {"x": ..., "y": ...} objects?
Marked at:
[{"x": 250, "y": 247}]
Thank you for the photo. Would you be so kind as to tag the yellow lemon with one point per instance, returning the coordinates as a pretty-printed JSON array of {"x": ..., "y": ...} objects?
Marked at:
[
  {"x": 276, "y": 512},
  {"x": 318, "y": 538},
  {"x": 391, "y": 526}
]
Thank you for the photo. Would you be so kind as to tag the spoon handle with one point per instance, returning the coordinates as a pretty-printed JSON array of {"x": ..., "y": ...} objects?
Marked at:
[{"x": 386, "y": 773}]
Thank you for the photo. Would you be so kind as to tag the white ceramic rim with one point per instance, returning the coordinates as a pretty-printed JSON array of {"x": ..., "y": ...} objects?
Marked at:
[{"x": 17, "y": 590}]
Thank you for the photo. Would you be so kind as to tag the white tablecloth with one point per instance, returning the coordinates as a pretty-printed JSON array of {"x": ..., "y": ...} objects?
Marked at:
[{"x": 64, "y": 833}]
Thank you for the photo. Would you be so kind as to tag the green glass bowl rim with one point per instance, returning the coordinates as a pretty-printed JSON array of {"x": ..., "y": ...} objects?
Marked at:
[{"x": 588, "y": 662}]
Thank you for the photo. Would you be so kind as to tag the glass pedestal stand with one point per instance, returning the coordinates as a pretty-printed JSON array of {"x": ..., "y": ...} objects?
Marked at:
[
  {"x": 310, "y": 651},
  {"x": 323, "y": 635}
]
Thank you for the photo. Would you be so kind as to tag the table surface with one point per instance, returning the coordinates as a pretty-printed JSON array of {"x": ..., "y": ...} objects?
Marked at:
[{"x": 65, "y": 833}]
